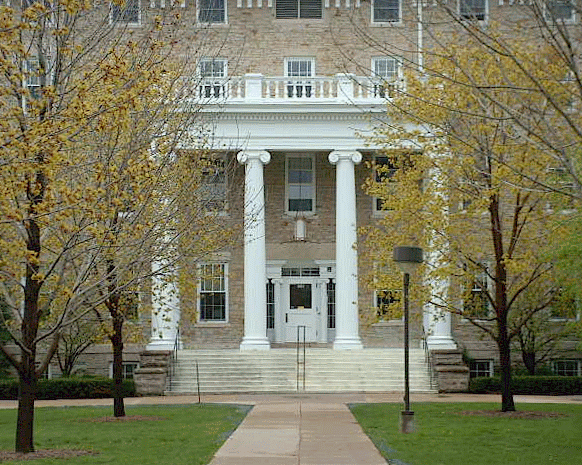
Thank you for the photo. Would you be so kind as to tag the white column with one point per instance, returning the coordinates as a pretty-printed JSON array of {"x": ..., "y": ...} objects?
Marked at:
[
  {"x": 346, "y": 255},
  {"x": 165, "y": 308},
  {"x": 255, "y": 273},
  {"x": 437, "y": 323}
]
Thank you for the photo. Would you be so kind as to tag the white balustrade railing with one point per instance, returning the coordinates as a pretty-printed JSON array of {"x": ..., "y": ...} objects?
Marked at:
[{"x": 256, "y": 87}]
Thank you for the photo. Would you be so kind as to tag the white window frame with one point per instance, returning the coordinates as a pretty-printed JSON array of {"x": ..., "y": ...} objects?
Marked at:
[
  {"x": 466, "y": 16},
  {"x": 201, "y": 291},
  {"x": 214, "y": 187},
  {"x": 551, "y": 20},
  {"x": 475, "y": 372},
  {"x": 135, "y": 366},
  {"x": 374, "y": 21},
  {"x": 212, "y": 23},
  {"x": 480, "y": 289},
  {"x": 120, "y": 20},
  {"x": 313, "y": 185},
  {"x": 382, "y": 81},
  {"x": 576, "y": 372},
  {"x": 300, "y": 86},
  {"x": 213, "y": 85},
  {"x": 287, "y": 14},
  {"x": 375, "y": 200}
]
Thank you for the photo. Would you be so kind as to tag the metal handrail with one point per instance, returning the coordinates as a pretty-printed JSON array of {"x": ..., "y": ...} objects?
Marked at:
[
  {"x": 300, "y": 363},
  {"x": 428, "y": 360},
  {"x": 173, "y": 358}
]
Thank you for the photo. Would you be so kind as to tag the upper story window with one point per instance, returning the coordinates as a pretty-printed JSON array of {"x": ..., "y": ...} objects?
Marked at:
[
  {"x": 384, "y": 170},
  {"x": 295, "y": 9},
  {"x": 213, "y": 189},
  {"x": 476, "y": 293},
  {"x": 386, "y": 72},
  {"x": 212, "y": 11},
  {"x": 126, "y": 13},
  {"x": 560, "y": 11},
  {"x": 385, "y": 11},
  {"x": 32, "y": 75},
  {"x": 213, "y": 72},
  {"x": 299, "y": 68},
  {"x": 300, "y": 184},
  {"x": 473, "y": 10}
]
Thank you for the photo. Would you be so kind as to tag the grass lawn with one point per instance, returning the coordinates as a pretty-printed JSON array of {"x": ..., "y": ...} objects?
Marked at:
[
  {"x": 177, "y": 435},
  {"x": 444, "y": 436}
]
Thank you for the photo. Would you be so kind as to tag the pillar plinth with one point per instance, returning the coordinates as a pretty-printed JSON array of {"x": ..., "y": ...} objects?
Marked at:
[
  {"x": 255, "y": 274},
  {"x": 346, "y": 255}
]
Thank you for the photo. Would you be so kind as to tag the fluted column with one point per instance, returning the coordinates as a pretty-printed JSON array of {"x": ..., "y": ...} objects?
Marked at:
[
  {"x": 255, "y": 274},
  {"x": 165, "y": 308},
  {"x": 346, "y": 255}
]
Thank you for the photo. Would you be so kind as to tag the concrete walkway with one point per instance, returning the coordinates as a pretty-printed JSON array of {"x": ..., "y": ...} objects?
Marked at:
[{"x": 301, "y": 429}]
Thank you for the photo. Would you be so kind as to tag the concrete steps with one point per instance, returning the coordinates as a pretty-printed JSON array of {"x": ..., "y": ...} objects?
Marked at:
[{"x": 326, "y": 370}]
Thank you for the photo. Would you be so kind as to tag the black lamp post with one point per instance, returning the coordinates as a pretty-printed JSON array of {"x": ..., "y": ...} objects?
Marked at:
[{"x": 407, "y": 259}]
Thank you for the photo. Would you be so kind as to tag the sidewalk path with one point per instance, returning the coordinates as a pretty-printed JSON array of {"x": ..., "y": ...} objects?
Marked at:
[{"x": 300, "y": 429}]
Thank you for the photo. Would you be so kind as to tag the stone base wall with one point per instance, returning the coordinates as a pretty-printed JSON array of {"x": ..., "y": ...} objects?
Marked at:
[
  {"x": 451, "y": 373},
  {"x": 152, "y": 375}
]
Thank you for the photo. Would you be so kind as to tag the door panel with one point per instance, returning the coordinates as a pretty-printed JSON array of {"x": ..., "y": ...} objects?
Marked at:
[{"x": 301, "y": 312}]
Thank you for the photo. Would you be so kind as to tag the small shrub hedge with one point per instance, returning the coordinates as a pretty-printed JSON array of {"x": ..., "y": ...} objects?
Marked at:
[
  {"x": 69, "y": 388},
  {"x": 540, "y": 385}
]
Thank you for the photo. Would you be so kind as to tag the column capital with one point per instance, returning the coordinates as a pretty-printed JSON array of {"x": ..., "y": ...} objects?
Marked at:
[
  {"x": 351, "y": 155},
  {"x": 244, "y": 156}
]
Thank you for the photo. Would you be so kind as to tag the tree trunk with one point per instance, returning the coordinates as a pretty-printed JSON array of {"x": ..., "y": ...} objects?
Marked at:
[
  {"x": 26, "y": 397},
  {"x": 117, "y": 344},
  {"x": 507, "y": 404},
  {"x": 529, "y": 360}
]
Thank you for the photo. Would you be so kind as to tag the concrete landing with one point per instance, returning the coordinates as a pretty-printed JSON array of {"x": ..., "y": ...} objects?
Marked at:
[{"x": 303, "y": 432}]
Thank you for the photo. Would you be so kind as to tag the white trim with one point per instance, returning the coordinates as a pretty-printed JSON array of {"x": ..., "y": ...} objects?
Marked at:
[
  {"x": 373, "y": 22},
  {"x": 226, "y": 294},
  {"x": 225, "y": 22},
  {"x": 313, "y": 210}
]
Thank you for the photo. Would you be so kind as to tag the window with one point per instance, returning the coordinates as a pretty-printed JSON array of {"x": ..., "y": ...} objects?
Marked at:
[
  {"x": 388, "y": 304},
  {"x": 212, "y": 11},
  {"x": 126, "y": 13},
  {"x": 331, "y": 304},
  {"x": 299, "y": 68},
  {"x": 473, "y": 10},
  {"x": 384, "y": 170},
  {"x": 300, "y": 296},
  {"x": 300, "y": 184},
  {"x": 559, "y": 11},
  {"x": 213, "y": 292},
  {"x": 295, "y": 9},
  {"x": 270, "y": 304},
  {"x": 566, "y": 367},
  {"x": 480, "y": 368},
  {"x": 213, "y": 188},
  {"x": 213, "y": 72},
  {"x": 32, "y": 77},
  {"x": 476, "y": 298},
  {"x": 385, "y": 11},
  {"x": 385, "y": 74},
  {"x": 304, "y": 271},
  {"x": 128, "y": 369}
]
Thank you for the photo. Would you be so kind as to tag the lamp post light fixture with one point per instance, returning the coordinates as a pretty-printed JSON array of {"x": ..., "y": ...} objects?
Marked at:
[{"x": 407, "y": 259}]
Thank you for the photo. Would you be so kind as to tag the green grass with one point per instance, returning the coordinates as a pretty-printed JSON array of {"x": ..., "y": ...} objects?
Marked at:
[
  {"x": 443, "y": 437},
  {"x": 186, "y": 434}
]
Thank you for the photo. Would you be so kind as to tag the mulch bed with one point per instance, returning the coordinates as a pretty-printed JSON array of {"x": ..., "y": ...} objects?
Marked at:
[
  {"x": 522, "y": 415},
  {"x": 44, "y": 454}
]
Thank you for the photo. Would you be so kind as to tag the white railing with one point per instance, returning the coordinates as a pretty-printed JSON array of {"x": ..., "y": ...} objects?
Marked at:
[{"x": 256, "y": 87}]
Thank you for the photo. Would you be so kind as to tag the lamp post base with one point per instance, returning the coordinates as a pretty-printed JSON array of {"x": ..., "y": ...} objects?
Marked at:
[{"x": 407, "y": 421}]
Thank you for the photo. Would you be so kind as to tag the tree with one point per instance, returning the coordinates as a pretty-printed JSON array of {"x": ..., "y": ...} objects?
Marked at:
[
  {"x": 84, "y": 197},
  {"x": 465, "y": 185}
]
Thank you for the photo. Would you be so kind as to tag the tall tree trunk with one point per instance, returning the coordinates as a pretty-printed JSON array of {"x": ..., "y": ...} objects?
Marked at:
[
  {"x": 529, "y": 360},
  {"x": 26, "y": 397},
  {"x": 117, "y": 344},
  {"x": 507, "y": 404}
]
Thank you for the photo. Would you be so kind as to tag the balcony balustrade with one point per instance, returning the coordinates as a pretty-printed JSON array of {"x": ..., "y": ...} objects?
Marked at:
[{"x": 256, "y": 88}]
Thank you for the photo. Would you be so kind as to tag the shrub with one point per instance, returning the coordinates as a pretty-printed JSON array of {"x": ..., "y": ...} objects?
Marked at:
[
  {"x": 540, "y": 385},
  {"x": 69, "y": 388}
]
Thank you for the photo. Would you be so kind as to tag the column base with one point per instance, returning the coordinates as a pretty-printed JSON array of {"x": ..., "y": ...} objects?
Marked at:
[
  {"x": 347, "y": 344},
  {"x": 441, "y": 342},
  {"x": 163, "y": 344},
  {"x": 249, "y": 343}
]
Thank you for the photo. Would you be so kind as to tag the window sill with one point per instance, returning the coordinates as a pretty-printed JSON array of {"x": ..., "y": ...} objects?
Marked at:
[
  {"x": 399, "y": 23},
  {"x": 211, "y": 324}
]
